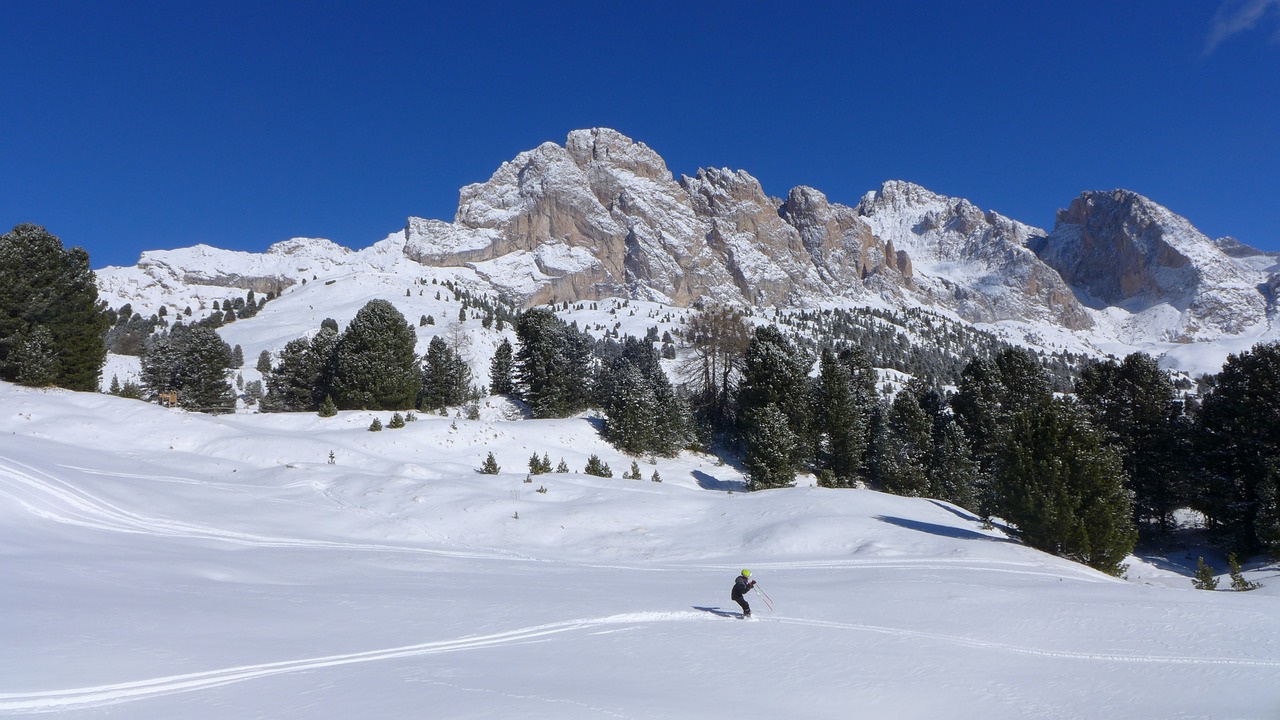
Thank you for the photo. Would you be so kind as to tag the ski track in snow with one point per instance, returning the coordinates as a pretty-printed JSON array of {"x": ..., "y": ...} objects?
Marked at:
[
  {"x": 111, "y": 694},
  {"x": 116, "y": 693}
]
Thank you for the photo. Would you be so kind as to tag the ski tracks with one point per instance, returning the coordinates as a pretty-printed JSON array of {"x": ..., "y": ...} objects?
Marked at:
[
  {"x": 1039, "y": 652},
  {"x": 115, "y": 693}
]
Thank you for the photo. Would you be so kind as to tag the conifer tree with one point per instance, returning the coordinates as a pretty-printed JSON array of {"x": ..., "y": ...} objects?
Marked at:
[
  {"x": 376, "y": 366},
  {"x": 1238, "y": 581},
  {"x": 1063, "y": 486},
  {"x": 1204, "y": 579},
  {"x": 500, "y": 369},
  {"x": 1239, "y": 436},
  {"x": 328, "y": 408},
  {"x": 490, "y": 466},
  {"x": 445, "y": 377},
  {"x": 597, "y": 467},
  {"x": 776, "y": 373},
  {"x": 905, "y": 445},
  {"x": 1134, "y": 403},
  {"x": 770, "y": 448},
  {"x": 843, "y": 424},
  {"x": 44, "y": 285}
]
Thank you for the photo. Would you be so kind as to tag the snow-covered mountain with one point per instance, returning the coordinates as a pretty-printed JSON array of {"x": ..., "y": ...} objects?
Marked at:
[{"x": 603, "y": 217}]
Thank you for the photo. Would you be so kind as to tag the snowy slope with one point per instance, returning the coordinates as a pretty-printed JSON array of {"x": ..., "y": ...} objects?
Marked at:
[{"x": 165, "y": 564}]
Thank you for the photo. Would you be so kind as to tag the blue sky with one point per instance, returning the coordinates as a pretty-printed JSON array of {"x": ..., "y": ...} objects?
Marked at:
[{"x": 133, "y": 126}]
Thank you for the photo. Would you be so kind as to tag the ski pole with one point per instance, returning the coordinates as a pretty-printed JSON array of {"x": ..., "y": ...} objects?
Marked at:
[{"x": 768, "y": 601}]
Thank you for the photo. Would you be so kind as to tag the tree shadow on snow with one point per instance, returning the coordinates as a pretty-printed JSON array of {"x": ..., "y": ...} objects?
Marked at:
[
  {"x": 942, "y": 530},
  {"x": 709, "y": 482},
  {"x": 718, "y": 611}
]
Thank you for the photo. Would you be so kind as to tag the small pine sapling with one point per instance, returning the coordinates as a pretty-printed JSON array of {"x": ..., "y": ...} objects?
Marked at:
[
  {"x": 656, "y": 477},
  {"x": 490, "y": 466},
  {"x": 328, "y": 408},
  {"x": 1238, "y": 582},
  {"x": 1204, "y": 579},
  {"x": 397, "y": 422},
  {"x": 595, "y": 466},
  {"x": 375, "y": 426},
  {"x": 563, "y": 467}
]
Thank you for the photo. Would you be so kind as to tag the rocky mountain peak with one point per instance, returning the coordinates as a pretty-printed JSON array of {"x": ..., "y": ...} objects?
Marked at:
[{"x": 1120, "y": 248}]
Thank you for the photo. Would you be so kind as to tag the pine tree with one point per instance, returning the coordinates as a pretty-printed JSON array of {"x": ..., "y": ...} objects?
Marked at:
[
  {"x": 1204, "y": 579},
  {"x": 777, "y": 373},
  {"x": 563, "y": 467},
  {"x": 551, "y": 365},
  {"x": 376, "y": 365},
  {"x": 44, "y": 285},
  {"x": 1239, "y": 435},
  {"x": 490, "y": 466},
  {"x": 328, "y": 408},
  {"x": 952, "y": 469},
  {"x": 597, "y": 467},
  {"x": 1134, "y": 402},
  {"x": 397, "y": 422},
  {"x": 843, "y": 424},
  {"x": 35, "y": 360},
  {"x": 1238, "y": 582},
  {"x": 375, "y": 426},
  {"x": 500, "y": 369},
  {"x": 291, "y": 385},
  {"x": 905, "y": 444},
  {"x": 770, "y": 447},
  {"x": 1063, "y": 486},
  {"x": 445, "y": 377},
  {"x": 264, "y": 362}
]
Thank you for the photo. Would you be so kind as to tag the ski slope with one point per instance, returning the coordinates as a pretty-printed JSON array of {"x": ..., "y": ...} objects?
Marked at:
[{"x": 160, "y": 564}]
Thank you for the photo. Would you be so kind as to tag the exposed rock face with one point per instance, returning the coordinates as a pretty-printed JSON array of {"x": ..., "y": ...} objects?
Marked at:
[
  {"x": 1120, "y": 249},
  {"x": 603, "y": 216},
  {"x": 975, "y": 263}
]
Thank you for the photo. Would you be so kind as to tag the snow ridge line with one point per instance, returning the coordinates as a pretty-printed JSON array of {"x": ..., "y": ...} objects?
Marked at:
[
  {"x": 51, "y": 498},
  {"x": 115, "y": 693},
  {"x": 970, "y": 642}
]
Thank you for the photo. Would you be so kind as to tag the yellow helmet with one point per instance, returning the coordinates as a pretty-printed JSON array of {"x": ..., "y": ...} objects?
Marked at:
[{"x": 746, "y": 573}]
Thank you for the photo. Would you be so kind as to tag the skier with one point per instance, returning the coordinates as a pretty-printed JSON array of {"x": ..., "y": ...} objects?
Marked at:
[{"x": 742, "y": 584}]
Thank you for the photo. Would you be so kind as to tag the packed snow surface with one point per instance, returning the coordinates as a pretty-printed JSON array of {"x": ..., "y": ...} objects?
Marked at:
[{"x": 160, "y": 564}]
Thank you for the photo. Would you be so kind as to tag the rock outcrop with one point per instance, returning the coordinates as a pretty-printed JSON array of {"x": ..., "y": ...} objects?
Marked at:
[{"x": 1120, "y": 249}]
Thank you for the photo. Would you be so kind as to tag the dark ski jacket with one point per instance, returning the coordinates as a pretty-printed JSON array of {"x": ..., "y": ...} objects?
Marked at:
[{"x": 740, "y": 586}]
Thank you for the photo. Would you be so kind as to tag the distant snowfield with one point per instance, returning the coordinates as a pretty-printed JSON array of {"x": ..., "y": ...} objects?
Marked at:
[{"x": 160, "y": 564}]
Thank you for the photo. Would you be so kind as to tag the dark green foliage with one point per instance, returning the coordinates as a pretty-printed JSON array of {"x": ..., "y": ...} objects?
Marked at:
[
  {"x": 446, "y": 377},
  {"x": 128, "y": 335},
  {"x": 328, "y": 408},
  {"x": 1239, "y": 435},
  {"x": 500, "y": 369},
  {"x": 1063, "y": 487},
  {"x": 490, "y": 466},
  {"x": 1134, "y": 403},
  {"x": 552, "y": 365},
  {"x": 633, "y": 473},
  {"x": 375, "y": 426},
  {"x": 904, "y": 444},
  {"x": 990, "y": 393},
  {"x": 770, "y": 447},
  {"x": 237, "y": 357},
  {"x": 539, "y": 465},
  {"x": 195, "y": 362},
  {"x": 1204, "y": 579},
  {"x": 43, "y": 285},
  {"x": 1238, "y": 582},
  {"x": 595, "y": 466},
  {"x": 376, "y": 366},
  {"x": 952, "y": 470},
  {"x": 397, "y": 422},
  {"x": 644, "y": 414},
  {"x": 293, "y": 385},
  {"x": 35, "y": 360},
  {"x": 563, "y": 467},
  {"x": 264, "y": 362},
  {"x": 843, "y": 408},
  {"x": 775, "y": 372}
]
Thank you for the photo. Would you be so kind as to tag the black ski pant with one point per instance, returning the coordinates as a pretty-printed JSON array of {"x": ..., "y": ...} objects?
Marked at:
[{"x": 737, "y": 597}]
